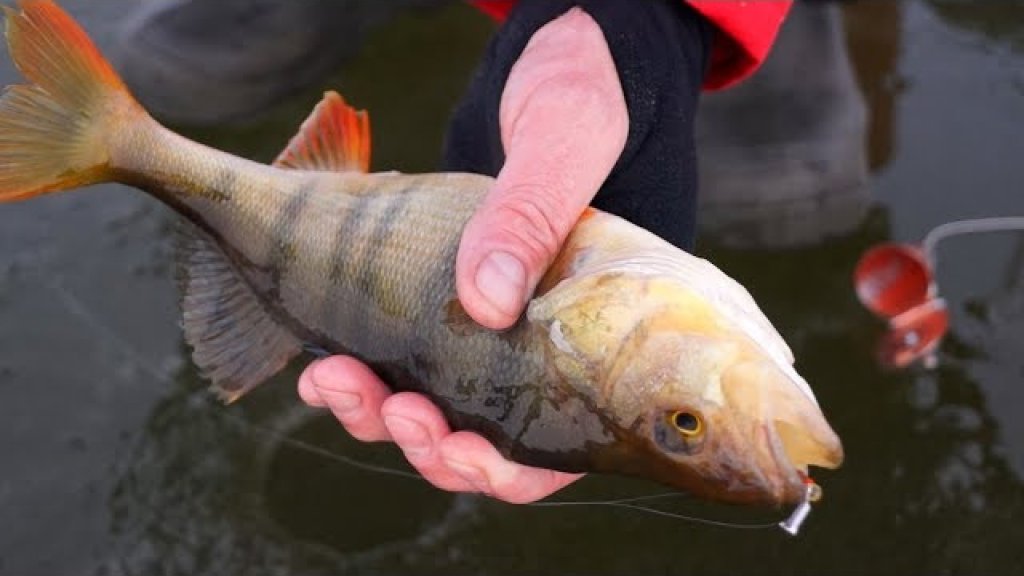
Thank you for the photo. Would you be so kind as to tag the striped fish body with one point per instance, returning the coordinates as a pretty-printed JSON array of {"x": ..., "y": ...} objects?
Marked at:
[
  {"x": 368, "y": 274},
  {"x": 277, "y": 259},
  {"x": 633, "y": 357}
]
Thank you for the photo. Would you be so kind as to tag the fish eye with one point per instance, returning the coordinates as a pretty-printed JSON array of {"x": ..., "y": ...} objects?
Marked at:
[{"x": 687, "y": 423}]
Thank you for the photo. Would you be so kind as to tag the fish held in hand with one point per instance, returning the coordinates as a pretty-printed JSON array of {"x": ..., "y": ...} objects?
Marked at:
[{"x": 633, "y": 357}]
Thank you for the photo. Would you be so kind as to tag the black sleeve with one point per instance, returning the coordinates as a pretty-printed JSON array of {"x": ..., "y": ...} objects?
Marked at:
[{"x": 661, "y": 49}]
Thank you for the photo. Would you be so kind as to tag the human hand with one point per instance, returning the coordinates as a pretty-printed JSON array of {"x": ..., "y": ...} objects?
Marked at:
[
  {"x": 563, "y": 123},
  {"x": 454, "y": 461}
]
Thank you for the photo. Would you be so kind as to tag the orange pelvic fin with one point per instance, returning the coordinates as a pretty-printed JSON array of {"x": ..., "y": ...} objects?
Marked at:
[
  {"x": 335, "y": 138},
  {"x": 54, "y": 131}
]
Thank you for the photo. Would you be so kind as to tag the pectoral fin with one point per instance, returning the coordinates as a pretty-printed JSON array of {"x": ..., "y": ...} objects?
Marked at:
[{"x": 236, "y": 343}]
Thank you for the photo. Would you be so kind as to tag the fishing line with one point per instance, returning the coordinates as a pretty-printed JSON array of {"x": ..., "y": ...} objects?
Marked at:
[
  {"x": 75, "y": 305},
  {"x": 625, "y": 503},
  {"x": 630, "y": 504},
  {"x": 319, "y": 451}
]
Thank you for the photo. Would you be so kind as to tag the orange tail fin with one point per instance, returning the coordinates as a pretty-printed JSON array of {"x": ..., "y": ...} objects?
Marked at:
[{"x": 54, "y": 132}]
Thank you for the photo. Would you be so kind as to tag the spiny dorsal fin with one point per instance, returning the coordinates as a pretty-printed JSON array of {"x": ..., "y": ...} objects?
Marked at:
[
  {"x": 235, "y": 342},
  {"x": 335, "y": 138}
]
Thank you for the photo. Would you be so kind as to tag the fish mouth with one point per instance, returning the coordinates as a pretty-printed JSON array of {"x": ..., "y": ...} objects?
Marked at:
[
  {"x": 793, "y": 450},
  {"x": 790, "y": 431}
]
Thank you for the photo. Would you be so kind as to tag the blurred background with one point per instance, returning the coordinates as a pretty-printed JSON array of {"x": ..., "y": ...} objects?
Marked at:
[{"x": 872, "y": 121}]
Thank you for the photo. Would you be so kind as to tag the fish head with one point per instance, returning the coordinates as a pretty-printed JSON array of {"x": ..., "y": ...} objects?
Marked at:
[
  {"x": 700, "y": 414},
  {"x": 695, "y": 386}
]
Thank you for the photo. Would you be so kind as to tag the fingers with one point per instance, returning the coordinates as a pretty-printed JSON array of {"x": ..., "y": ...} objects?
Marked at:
[
  {"x": 352, "y": 392},
  {"x": 477, "y": 462},
  {"x": 307, "y": 391},
  {"x": 462, "y": 461},
  {"x": 564, "y": 124},
  {"x": 418, "y": 427},
  {"x": 457, "y": 462}
]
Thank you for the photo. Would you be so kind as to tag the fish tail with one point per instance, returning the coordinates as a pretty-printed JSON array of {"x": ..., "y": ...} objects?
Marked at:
[{"x": 56, "y": 131}]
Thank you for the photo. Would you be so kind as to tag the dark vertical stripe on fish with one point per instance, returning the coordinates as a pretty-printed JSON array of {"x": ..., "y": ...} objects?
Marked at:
[
  {"x": 345, "y": 266},
  {"x": 282, "y": 254},
  {"x": 369, "y": 279}
]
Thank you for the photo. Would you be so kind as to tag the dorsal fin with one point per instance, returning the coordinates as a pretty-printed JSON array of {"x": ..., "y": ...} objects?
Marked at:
[
  {"x": 335, "y": 138},
  {"x": 235, "y": 341}
]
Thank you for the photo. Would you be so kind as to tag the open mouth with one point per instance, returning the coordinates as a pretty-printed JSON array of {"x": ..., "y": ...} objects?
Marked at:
[
  {"x": 796, "y": 434},
  {"x": 795, "y": 449}
]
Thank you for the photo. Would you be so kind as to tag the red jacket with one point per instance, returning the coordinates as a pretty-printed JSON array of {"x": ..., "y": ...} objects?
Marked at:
[{"x": 747, "y": 31}]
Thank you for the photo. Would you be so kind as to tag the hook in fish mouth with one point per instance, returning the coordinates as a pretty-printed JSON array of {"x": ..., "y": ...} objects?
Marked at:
[{"x": 791, "y": 525}]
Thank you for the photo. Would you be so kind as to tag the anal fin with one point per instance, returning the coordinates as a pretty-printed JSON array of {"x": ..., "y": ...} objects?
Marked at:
[
  {"x": 235, "y": 341},
  {"x": 335, "y": 138}
]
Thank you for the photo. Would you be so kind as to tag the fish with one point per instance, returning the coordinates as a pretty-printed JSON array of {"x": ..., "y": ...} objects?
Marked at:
[{"x": 633, "y": 357}]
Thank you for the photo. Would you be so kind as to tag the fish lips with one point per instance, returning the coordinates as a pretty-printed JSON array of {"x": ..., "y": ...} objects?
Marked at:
[{"x": 786, "y": 434}]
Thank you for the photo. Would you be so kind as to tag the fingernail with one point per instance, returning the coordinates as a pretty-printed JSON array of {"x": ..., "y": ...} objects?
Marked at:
[
  {"x": 341, "y": 402},
  {"x": 501, "y": 279},
  {"x": 410, "y": 435},
  {"x": 470, "y": 474}
]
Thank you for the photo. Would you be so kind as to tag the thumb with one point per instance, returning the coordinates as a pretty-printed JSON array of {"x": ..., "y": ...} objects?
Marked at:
[
  {"x": 510, "y": 242},
  {"x": 564, "y": 124}
]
